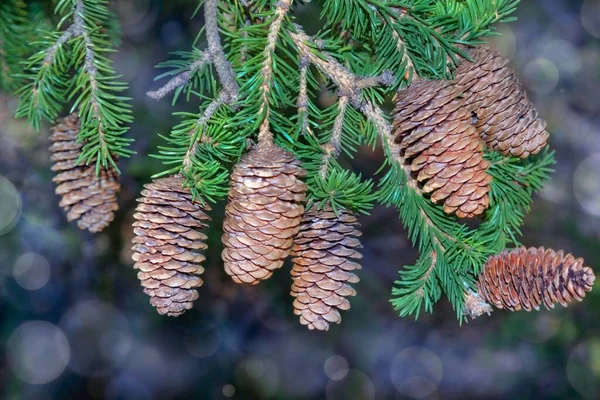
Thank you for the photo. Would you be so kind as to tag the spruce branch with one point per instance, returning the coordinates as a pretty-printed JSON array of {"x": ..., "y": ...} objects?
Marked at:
[
  {"x": 302, "y": 102},
  {"x": 181, "y": 79},
  {"x": 93, "y": 89},
  {"x": 332, "y": 148},
  {"x": 281, "y": 9}
]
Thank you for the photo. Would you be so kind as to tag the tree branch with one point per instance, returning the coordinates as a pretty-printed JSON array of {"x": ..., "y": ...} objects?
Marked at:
[
  {"x": 332, "y": 148},
  {"x": 181, "y": 79},
  {"x": 282, "y": 8},
  {"x": 230, "y": 89},
  {"x": 302, "y": 102}
]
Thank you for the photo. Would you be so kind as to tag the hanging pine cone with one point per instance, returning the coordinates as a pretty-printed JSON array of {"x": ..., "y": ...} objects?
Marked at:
[
  {"x": 523, "y": 279},
  {"x": 441, "y": 147},
  {"x": 506, "y": 119},
  {"x": 88, "y": 198},
  {"x": 263, "y": 213},
  {"x": 167, "y": 243},
  {"x": 323, "y": 257}
]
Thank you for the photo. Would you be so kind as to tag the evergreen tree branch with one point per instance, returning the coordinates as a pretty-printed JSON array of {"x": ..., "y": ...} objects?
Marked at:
[
  {"x": 181, "y": 79},
  {"x": 281, "y": 9},
  {"x": 332, "y": 148},
  {"x": 302, "y": 102}
]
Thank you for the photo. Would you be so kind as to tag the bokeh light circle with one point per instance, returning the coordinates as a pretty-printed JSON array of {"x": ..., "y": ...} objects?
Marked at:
[
  {"x": 31, "y": 271},
  {"x": 228, "y": 390},
  {"x": 336, "y": 368},
  {"x": 540, "y": 328},
  {"x": 583, "y": 368},
  {"x": 38, "y": 352},
  {"x": 99, "y": 335},
  {"x": 541, "y": 76},
  {"x": 416, "y": 372},
  {"x": 10, "y": 205},
  {"x": 586, "y": 184},
  {"x": 590, "y": 17},
  {"x": 355, "y": 386},
  {"x": 260, "y": 374}
]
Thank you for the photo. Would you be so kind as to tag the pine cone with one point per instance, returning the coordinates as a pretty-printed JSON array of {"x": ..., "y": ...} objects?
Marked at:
[
  {"x": 525, "y": 278},
  {"x": 505, "y": 118},
  {"x": 442, "y": 148},
  {"x": 86, "y": 197},
  {"x": 166, "y": 244},
  {"x": 323, "y": 257},
  {"x": 263, "y": 213}
]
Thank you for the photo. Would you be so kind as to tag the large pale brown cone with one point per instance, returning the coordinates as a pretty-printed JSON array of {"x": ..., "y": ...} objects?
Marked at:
[
  {"x": 263, "y": 213},
  {"x": 442, "y": 148},
  {"x": 524, "y": 279},
  {"x": 87, "y": 198},
  {"x": 167, "y": 244},
  {"x": 324, "y": 257},
  {"x": 506, "y": 119}
]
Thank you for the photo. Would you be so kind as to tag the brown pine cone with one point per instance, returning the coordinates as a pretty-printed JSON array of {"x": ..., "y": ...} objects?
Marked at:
[
  {"x": 526, "y": 278},
  {"x": 441, "y": 147},
  {"x": 263, "y": 214},
  {"x": 88, "y": 198},
  {"x": 323, "y": 257},
  {"x": 167, "y": 243},
  {"x": 506, "y": 119}
]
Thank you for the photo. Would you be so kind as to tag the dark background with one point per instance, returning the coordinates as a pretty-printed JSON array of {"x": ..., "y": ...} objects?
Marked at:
[{"x": 75, "y": 324}]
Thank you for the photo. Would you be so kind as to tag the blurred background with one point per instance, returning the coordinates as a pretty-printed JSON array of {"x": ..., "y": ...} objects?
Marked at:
[{"x": 74, "y": 323}]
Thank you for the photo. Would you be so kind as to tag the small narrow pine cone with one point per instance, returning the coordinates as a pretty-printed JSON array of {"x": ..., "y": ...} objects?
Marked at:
[
  {"x": 167, "y": 244},
  {"x": 324, "y": 260},
  {"x": 506, "y": 119},
  {"x": 263, "y": 213},
  {"x": 442, "y": 148},
  {"x": 523, "y": 279},
  {"x": 86, "y": 197}
]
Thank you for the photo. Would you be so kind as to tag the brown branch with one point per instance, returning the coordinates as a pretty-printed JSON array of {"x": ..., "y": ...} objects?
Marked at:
[
  {"x": 302, "y": 102},
  {"x": 332, "y": 148},
  {"x": 181, "y": 79},
  {"x": 229, "y": 92},
  {"x": 282, "y": 8}
]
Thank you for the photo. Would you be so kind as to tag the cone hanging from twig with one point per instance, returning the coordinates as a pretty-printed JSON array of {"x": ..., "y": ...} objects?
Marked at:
[
  {"x": 324, "y": 258},
  {"x": 167, "y": 244},
  {"x": 441, "y": 147},
  {"x": 263, "y": 213},
  {"x": 524, "y": 279},
  {"x": 87, "y": 197},
  {"x": 506, "y": 119}
]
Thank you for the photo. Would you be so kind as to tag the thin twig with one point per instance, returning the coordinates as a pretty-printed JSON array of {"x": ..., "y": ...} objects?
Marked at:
[
  {"x": 302, "y": 102},
  {"x": 410, "y": 70},
  {"x": 80, "y": 29},
  {"x": 282, "y": 8},
  {"x": 230, "y": 90},
  {"x": 51, "y": 52},
  {"x": 181, "y": 79},
  {"x": 222, "y": 66},
  {"x": 332, "y": 148}
]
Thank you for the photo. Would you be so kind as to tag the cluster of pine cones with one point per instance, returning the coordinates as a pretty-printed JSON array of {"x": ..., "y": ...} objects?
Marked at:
[{"x": 441, "y": 128}]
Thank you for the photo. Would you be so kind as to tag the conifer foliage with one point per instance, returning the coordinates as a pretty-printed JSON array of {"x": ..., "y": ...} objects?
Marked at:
[{"x": 461, "y": 141}]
